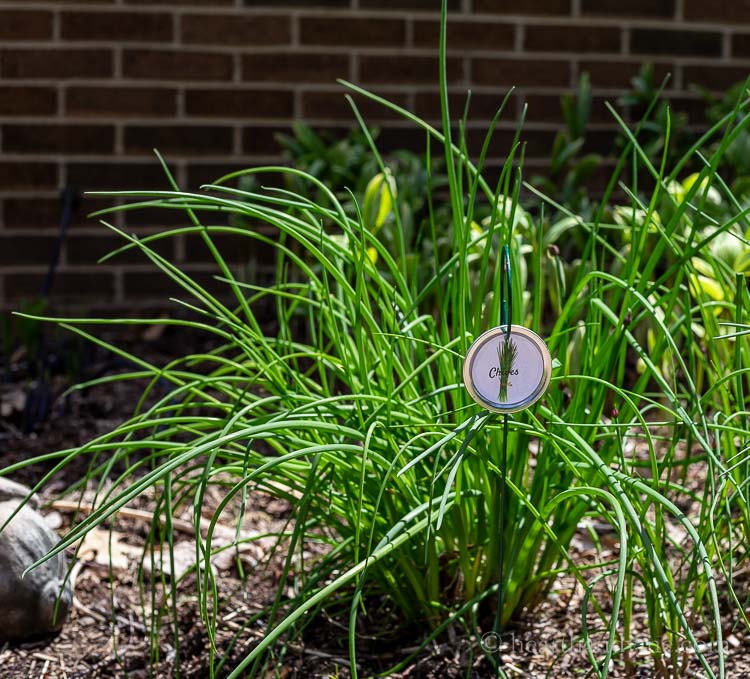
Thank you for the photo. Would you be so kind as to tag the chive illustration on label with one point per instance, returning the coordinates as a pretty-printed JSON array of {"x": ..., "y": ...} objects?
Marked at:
[{"x": 506, "y": 354}]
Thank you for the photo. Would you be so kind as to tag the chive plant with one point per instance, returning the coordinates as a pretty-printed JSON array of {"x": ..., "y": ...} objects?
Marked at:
[{"x": 353, "y": 411}]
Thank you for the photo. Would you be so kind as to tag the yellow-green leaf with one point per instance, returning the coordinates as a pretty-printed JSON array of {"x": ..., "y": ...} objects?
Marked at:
[
  {"x": 378, "y": 201},
  {"x": 705, "y": 286},
  {"x": 742, "y": 263}
]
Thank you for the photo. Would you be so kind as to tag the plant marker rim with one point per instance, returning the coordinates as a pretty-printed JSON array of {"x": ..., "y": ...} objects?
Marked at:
[{"x": 501, "y": 332}]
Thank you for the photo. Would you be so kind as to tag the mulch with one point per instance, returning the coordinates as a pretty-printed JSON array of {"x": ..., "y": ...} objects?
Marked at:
[{"x": 114, "y": 614}]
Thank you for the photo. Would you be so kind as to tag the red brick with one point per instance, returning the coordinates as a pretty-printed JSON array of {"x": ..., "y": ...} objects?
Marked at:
[
  {"x": 259, "y": 139},
  {"x": 55, "y": 63},
  {"x": 179, "y": 2},
  {"x": 116, "y": 176},
  {"x": 406, "y": 69},
  {"x": 120, "y": 102},
  {"x": 25, "y": 250},
  {"x": 299, "y": 3},
  {"x": 295, "y": 67},
  {"x": 481, "y": 106},
  {"x": 400, "y": 5},
  {"x": 538, "y": 143},
  {"x": 618, "y": 74},
  {"x": 572, "y": 39},
  {"x": 396, "y": 138},
  {"x": 154, "y": 284},
  {"x": 675, "y": 43},
  {"x": 179, "y": 140},
  {"x": 537, "y": 7},
  {"x": 176, "y": 65},
  {"x": 546, "y": 108},
  {"x": 332, "y": 105},
  {"x": 116, "y": 26},
  {"x": 520, "y": 72},
  {"x": 89, "y": 139},
  {"x": 600, "y": 141},
  {"x": 72, "y": 287},
  {"x": 634, "y": 8},
  {"x": 156, "y": 218},
  {"x": 543, "y": 108},
  {"x": 599, "y": 112},
  {"x": 235, "y": 29},
  {"x": 234, "y": 248},
  {"x": 352, "y": 31},
  {"x": 693, "y": 106},
  {"x": 223, "y": 103},
  {"x": 36, "y": 213},
  {"x": 27, "y": 175},
  {"x": 741, "y": 45},
  {"x": 714, "y": 77},
  {"x": 98, "y": 3},
  {"x": 722, "y": 11},
  {"x": 89, "y": 248},
  {"x": 465, "y": 35},
  {"x": 208, "y": 173},
  {"x": 17, "y": 24},
  {"x": 27, "y": 101}
]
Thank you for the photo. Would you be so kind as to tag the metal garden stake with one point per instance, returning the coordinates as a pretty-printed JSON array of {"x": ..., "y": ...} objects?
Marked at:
[{"x": 506, "y": 369}]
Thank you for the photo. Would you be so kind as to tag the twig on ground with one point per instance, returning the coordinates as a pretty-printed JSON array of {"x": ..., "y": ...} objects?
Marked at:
[{"x": 148, "y": 517}]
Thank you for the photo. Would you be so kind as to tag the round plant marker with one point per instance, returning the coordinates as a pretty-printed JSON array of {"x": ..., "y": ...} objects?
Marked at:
[{"x": 507, "y": 371}]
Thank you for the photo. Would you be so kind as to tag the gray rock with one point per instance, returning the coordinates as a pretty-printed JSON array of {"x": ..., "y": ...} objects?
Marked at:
[
  {"x": 29, "y": 605},
  {"x": 12, "y": 490}
]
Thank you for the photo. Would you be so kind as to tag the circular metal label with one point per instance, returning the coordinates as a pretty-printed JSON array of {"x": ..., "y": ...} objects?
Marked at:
[{"x": 507, "y": 373}]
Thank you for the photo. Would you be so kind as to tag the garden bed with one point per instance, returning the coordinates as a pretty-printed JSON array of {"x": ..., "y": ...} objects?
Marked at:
[{"x": 107, "y": 635}]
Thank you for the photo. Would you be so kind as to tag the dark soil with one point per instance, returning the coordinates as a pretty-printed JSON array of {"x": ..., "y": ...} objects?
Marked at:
[{"x": 107, "y": 634}]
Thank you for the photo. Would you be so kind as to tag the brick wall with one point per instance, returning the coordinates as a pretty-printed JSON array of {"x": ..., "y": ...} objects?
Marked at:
[{"x": 87, "y": 89}]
